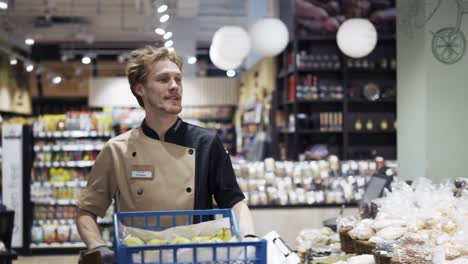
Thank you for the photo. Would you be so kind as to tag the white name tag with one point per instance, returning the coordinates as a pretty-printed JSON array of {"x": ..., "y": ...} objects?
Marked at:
[{"x": 142, "y": 174}]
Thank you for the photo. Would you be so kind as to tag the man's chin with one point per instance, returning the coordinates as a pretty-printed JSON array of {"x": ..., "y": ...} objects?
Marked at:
[{"x": 174, "y": 110}]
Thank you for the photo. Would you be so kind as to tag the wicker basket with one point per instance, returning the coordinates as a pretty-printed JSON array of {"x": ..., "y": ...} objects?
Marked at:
[
  {"x": 381, "y": 259},
  {"x": 347, "y": 243},
  {"x": 363, "y": 247}
]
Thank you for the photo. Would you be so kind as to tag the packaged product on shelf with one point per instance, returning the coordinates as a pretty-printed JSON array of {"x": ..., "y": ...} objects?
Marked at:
[
  {"x": 63, "y": 232},
  {"x": 37, "y": 233},
  {"x": 50, "y": 232},
  {"x": 74, "y": 235}
]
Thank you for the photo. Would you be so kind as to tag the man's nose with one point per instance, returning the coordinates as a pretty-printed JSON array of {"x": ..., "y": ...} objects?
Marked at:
[{"x": 174, "y": 84}]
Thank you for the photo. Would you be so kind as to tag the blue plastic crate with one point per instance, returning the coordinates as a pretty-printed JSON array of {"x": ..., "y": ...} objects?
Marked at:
[{"x": 158, "y": 254}]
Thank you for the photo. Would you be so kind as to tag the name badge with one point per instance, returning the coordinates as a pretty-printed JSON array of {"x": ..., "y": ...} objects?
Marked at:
[{"x": 142, "y": 172}]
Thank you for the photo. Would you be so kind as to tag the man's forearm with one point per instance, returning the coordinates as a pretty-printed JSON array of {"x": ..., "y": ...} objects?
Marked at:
[
  {"x": 89, "y": 230},
  {"x": 244, "y": 218}
]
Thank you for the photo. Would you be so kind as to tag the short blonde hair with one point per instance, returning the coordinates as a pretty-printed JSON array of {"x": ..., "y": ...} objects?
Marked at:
[{"x": 139, "y": 62}]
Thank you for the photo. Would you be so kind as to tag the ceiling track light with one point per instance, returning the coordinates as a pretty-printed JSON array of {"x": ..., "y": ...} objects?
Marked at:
[
  {"x": 162, "y": 9},
  {"x": 3, "y": 5},
  {"x": 164, "y": 18},
  {"x": 86, "y": 60},
  {"x": 160, "y": 31},
  {"x": 13, "y": 61},
  {"x": 168, "y": 43},
  {"x": 29, "y": 67},
  {"x": 167, "y": 35},
  {"x": 29, "y": 41}
]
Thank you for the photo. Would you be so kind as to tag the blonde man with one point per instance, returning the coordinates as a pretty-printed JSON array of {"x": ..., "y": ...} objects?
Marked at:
[{"x": 166, "y": 164}]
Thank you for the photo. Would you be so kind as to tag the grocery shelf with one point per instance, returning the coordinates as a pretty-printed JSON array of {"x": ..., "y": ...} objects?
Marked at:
[
  {"x": 79, "y": 245},
  {"x": 57, "y": 245},
  {"x": 54, "y": 201},
  {"x": 74, "y": 134},
  {"x": 70, "y": 147},
  {"x": 63, "y": 184},
  {"x": 64, "y": 164}
]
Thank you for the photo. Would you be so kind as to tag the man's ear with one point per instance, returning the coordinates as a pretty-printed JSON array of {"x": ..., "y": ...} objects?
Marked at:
[{"x": 138, "y": 88}]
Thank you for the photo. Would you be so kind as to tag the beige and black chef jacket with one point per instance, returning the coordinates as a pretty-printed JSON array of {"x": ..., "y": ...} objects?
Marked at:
[{"x": 183, "y": 172}]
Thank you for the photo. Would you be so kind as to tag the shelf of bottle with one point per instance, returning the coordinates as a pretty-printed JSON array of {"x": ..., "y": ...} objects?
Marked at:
[
  {"x": 64, "y": 164},
  {"x": 372, "y": 132},
  {"x": 370, "y": 71},
  {"x": 358, "y": 101},
  {"x": 51, "y": 201},
  {"x": 68, "y": 221},
  {"x": 79, "y": 245},
  {"x": 311, "y": 131},
  {"x": 74, "y": 134},
  {"x": 70, "y": 147},
  {"x": 62, "y": 184},
  {"x": 324, "y": 101},
  {"x": 285, "y": 73}
]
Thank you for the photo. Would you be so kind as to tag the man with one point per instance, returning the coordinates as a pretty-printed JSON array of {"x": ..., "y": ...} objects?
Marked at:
[{"x": 166, "y": 164}]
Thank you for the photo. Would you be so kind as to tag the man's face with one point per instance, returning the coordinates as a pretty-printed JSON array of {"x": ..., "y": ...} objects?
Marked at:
[{"x": 163, "y": 89}]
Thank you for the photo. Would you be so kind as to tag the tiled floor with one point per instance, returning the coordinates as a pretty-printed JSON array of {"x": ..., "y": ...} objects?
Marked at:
[{"x": 47, "y": 260}]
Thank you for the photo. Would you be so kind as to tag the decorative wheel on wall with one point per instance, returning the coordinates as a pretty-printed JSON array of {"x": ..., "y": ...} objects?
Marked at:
[{"x": 448, "y": 45}]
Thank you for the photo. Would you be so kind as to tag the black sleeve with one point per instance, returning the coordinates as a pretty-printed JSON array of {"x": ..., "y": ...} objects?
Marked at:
[{"x": 225, "y": 189}]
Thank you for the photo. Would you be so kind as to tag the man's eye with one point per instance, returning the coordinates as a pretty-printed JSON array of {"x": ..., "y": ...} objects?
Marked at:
[
  {"x": 178, "y": 80},
  {"x": 163, "y": 80}
]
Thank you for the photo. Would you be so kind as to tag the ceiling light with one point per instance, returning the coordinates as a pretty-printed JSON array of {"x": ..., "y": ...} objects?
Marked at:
[
  {"x": 159, "y": 31},
  {"x": 168, "y": 43},
  {"x": 86, "y": 60},
  {"x": 164, "y": 18},
  {"x": 29, "y": 41},
  {"x": 168, "y": 35},
  {"x": 162, "y": 9},
  {"x": 3, "y": 5},
  {"x": 231, "y": 73},
  {"x": 192, "y": 60},
  {"x": 13, "y": 61},
  {"x": 56, "y": 80},
  {"x": 29, "y": 67},
  {"x": 170, "y": 49}
]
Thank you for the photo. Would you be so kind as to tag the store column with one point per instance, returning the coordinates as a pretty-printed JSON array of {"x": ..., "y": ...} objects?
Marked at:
[{"x": 432, "y": 93}]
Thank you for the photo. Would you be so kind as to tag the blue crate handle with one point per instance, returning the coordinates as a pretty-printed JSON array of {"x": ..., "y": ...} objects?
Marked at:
[{"x": 123, "y": 252}]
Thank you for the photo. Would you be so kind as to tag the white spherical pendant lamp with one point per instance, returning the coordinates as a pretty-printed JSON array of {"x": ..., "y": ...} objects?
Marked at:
[
  {"x": 233, "y": 42},
  {"x": 269, "y": 36},
  {"x": 221, "y": 62},
  {"x": 357, "y": 37}
]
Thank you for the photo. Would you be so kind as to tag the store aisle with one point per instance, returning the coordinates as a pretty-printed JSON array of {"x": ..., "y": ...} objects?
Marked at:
[{"x": 47, "y": 260}]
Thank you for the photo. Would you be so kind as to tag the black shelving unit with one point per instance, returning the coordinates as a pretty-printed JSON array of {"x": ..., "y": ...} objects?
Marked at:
[{"x": 352, "y": 75}]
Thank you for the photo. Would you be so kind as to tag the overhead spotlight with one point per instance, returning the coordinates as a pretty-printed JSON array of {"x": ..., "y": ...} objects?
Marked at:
[
  {"x": 168, "y": 35},
  {"x": 162, "y": 9},
  {"x": 29, "y": 41},
  {"x": 3, "y": 5},
  {"x": 86, "y": 60},
  {"x": 13, "y": 61},
  {"x": 170, "y": 49},
  {"x": 56, "y": 80},
  {"x": 164, "y": 18},
  {"x": 160, "y": 31},
  {"x": 29, "y": 67},
  {"x": 168, "y": 43},
  {"x": 192, "y": 60},
  {"x": 231, "y": 73}
]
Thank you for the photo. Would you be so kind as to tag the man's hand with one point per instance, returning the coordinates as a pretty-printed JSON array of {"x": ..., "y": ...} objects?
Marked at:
[{"x": 103, "y": 253}]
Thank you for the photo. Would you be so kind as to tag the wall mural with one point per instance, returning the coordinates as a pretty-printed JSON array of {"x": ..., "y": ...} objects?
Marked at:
[{"x": 448, "y": 43}]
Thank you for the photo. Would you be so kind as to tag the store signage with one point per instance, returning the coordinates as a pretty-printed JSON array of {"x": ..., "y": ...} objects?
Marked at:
[{"x": 12, "y": 178}]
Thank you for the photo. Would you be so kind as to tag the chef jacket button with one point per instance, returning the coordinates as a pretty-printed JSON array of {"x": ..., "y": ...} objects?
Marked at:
[
  {"x": 190, "y": 151},
  {"x": 134, "y": 154},
  {"x": 140, "y": 191},
  {"x": 188, "y": 189}
]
